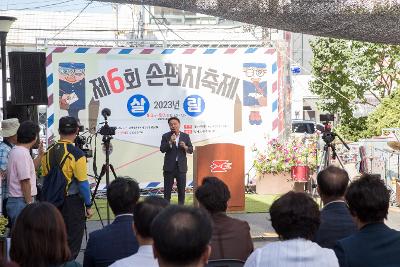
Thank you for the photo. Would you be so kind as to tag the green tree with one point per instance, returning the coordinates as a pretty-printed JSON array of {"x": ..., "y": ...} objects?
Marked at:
[
  {"x": 387, "y": 115},
  {"x": 347, "y": 73}
]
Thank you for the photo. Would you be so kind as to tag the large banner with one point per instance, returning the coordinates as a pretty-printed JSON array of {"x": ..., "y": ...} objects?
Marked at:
[{"x": 219, "y": 95}]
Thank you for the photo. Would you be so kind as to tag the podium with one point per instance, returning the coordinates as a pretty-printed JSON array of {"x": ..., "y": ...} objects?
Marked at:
[{"x": 225, "y": 161}]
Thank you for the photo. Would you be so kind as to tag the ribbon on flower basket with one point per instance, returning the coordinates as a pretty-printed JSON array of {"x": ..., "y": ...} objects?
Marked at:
[{"x": 300, "y": 173}]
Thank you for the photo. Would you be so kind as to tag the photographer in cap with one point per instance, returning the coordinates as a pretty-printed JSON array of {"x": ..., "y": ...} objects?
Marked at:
[
  {"x": 9, "y": 128},
  {"x": 77, "y": 203}
]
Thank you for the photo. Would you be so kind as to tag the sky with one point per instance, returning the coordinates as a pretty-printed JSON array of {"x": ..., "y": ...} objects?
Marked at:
[{"x": 55, "y": 5}]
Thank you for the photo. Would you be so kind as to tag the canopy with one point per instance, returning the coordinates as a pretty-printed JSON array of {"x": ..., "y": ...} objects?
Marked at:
[{"x": 364, "y": 20}]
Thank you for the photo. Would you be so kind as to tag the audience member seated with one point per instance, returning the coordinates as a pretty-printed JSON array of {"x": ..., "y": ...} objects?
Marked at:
[
  {"x": 117, "y": 240},
  {"x": 144, "y": 214},
  {"x": 39, "y": 238},
  {"x": 213, "y": 195},
  {"x": 375, "y": 244},
  {"x": 181, "y": 237},
  {"x": 295, "y": 218},
  {"x": 336, "y": 221}
]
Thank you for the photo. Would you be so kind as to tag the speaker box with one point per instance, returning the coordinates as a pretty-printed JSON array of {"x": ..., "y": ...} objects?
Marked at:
[
  {"x": 28, "y": 78},
  {"x": 22, "y": 113}
]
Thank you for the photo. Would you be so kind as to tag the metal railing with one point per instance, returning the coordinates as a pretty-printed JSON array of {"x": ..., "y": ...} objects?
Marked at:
[{"x": 43, "y": 43}]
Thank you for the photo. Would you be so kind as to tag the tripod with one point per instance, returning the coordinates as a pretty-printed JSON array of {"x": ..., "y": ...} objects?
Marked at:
[
  {"x": 248, "y": 188},
  {"x": 329, "y": 153},
  {"x": 106, "y": 169},
  {"x": 98, "y": 179}
]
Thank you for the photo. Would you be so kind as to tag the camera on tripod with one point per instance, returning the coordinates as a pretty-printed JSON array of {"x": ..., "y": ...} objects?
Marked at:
[
  {"x": 328, "y": 136},
  {"x": 82, "y": 143},
  {"x": 106, "y": 129}
]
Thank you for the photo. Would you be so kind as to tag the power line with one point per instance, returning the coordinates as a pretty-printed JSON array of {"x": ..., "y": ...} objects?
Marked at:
[
  {"x": 72, "y": 30},
  {"x": 38, "y": 7},
  {"x": 96, "y": 6},
  {"x": 72, "y": 21},
  {"x": 30, "y": 3},
  {"x": 163, "y": 23}
]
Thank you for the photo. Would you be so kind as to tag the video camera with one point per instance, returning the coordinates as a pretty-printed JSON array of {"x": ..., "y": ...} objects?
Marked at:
[
  {"x": 106, "y": 130},
  {"x": 328, "y": 136},
  {"x": 82, "y": 143}
]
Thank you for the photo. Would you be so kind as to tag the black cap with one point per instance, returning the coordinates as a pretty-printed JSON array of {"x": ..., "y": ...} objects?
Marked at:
[{"x": 68, "y": 122}]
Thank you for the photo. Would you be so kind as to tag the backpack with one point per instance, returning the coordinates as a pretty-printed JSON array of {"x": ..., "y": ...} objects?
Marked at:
[{"x": 55, "y": 184}]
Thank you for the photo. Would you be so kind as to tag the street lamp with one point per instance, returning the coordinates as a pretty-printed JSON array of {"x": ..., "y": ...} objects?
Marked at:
[{"x": 5, "y": 24}]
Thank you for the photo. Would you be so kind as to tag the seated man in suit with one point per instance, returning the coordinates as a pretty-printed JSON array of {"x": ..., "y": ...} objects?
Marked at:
[
  {"x": 336, "y": 221},
  {"x": 375, "y": 244},
  {"x": 181, "y": 237},
  {"x": 117, "y": 240},
  {"x": 144, "y": 213},
  {"x": 213, "y": 195}
]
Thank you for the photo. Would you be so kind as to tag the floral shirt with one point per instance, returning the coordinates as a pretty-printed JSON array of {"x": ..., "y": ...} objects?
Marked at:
[{"x": 4, "y": 152}]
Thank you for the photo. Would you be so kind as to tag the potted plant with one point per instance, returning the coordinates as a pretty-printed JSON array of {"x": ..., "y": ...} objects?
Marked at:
[
  {"x": 274, "y": 162},
  {"x": 3, "y": 236}
]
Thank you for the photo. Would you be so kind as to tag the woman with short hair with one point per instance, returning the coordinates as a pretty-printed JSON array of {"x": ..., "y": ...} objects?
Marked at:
[{"x": 295, "y": 218}]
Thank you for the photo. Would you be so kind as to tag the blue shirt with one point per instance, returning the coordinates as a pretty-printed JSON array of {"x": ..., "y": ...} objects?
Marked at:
[{"x": 4, "y": 152}]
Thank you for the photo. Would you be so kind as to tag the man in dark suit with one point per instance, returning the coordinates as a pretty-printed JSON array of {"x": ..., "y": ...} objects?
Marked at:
[
  {"x": 175, "y": 144},
  {"x": 375, "y": 244},
  {"x": 336, "y": 221},
  {"x": 117, "y": 240},
  {"x": 228, "y": 232}
]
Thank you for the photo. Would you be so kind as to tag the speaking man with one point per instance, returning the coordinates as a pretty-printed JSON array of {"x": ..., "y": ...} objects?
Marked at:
[{"x": 175, "y": 144}]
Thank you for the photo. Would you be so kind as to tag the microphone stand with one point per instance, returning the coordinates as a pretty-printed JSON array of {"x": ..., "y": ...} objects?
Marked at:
[{"x": 248, "y": 187}]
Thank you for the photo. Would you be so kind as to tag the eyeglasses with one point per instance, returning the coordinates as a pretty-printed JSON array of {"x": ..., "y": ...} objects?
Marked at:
[
  {"x": 68, "y": 71},
  {"x": 250, "y": 72}
]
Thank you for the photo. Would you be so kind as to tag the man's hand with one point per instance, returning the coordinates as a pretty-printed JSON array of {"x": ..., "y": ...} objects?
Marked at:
[
  {"x": 89, "y": 213},
  {"x": 173, "y": 138},
  {"x": 63, "y": 103},
  {"x": 41, "y": 149},
  {"x": 183, "y": 145}
]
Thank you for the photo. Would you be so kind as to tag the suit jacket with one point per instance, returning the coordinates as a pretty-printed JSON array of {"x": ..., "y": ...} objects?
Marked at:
[
  {"x": 336, "y": 224},
  {"x": 292, "y": 253},
  {"x": 113, "y": 242},
  {"x": 375, "y": 245},
  {"x": 172, "y": 152},
  {"x": 230, "y": 239}
]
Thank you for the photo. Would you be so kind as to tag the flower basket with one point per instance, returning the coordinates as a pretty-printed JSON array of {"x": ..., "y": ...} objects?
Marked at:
[
  {"x": 284, "y": 166},
  {"x": 274, "y": 184}
]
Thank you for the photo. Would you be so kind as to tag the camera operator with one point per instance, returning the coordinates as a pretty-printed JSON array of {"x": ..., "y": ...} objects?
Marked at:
[{"x": 77, "y": 203}]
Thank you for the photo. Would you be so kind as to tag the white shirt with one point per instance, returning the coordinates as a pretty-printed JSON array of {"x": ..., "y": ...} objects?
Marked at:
[
  {"x": 177, "y": 143},
  {"x": 144, "y": 257},
  {"x": 292, "y": 253},
  {"x": 124, "y": 214},
  {"x": 335, "y": 201},
  {"x": 177, "y": 139}
]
